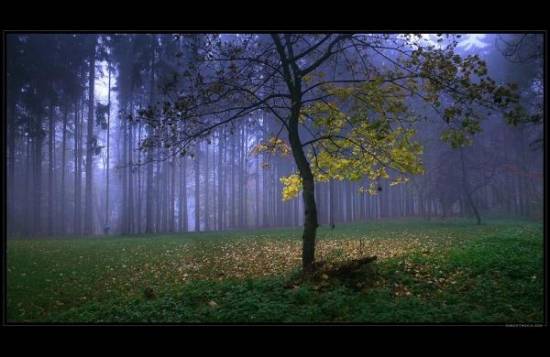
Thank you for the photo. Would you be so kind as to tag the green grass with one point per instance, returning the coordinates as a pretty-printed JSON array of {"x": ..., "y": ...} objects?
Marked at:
[{"x": 429, "y": 272}]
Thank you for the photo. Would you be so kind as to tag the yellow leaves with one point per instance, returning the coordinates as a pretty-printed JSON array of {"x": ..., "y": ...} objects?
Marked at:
[
  {"x": 292, "y": 185},
  {"x": 273, "y": 145},
  {"x": 373, "y": 189},
  {"x": 400, "y": 179},
  {"x": 368, "y": 149},
  {"x": 341, "y": 93}
]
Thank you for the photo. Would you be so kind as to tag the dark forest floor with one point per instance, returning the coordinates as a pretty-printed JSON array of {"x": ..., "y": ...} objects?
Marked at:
[{"x": 426, "y": 272}]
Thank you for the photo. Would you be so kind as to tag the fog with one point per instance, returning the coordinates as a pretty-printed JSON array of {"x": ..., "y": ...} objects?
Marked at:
[{"x": 99, "y": 142}]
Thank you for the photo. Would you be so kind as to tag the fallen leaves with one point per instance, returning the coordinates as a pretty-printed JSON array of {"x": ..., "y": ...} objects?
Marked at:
[
  {"x": 42, "y": 273},
  {"x": 212, "y": 303}
]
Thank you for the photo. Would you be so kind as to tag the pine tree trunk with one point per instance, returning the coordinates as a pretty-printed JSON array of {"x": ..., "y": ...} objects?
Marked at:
[
  {"x": 107, "y": 213},
  {"x": 221, "y": 181},
  {"x": 77, "y": 173},
  {"x": 183, "y": 200},
  {"x": 37, "y": 172},
  {"x": 51, "y": 165},
  {"x": 12, "y": 215},
  {"x": 149, "y": 224},
  {"x": 197, "y": 187},
  {"x": 232, "y": 190},
  {"x": 88, "y": 215},
  {"x": 466, "y": 189},
  {"x": 62, "y": 217},
  {"x": 130, "y": 221},
  {"x": 206, "y": 190},
  {"x": 124, "y": 209}
]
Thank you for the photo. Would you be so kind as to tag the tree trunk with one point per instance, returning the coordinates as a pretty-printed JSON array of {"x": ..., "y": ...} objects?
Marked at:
[
  {"x": 308, "y": 184},
  {"x": 77, "y": 222},
  {"x": 37, "y": 178},
  {"x": 183, "y": 198},
  {"x": 172, "y": 197},
  {"x": 51, "y": 165},
  {"x": 124, "y": 167},
  {"x": 257, "y": 194},
  {"x": 107, "y": 213},
  {"x": 232, "y": 190},
  {"x": 27, "y": 228},
  {"x": 197, "y": 192},
  {"x": 220, "y": 182},
  {"x": 130, "y": 222},
  {"x": 12, "y": 215},
  {"x": 206, "y": 189},
  {"x": 63, "y": 171},
  {"x": 466, "y": 189},
  {"x": 88, "y": 216},
  {"x": 149, "y": 225}
]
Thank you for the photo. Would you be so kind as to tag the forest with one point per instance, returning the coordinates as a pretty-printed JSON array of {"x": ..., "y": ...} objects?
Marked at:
[{"x": 274, "y": 177}]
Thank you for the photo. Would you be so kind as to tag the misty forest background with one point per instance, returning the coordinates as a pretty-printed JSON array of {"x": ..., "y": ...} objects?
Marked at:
[
  {"x": 75, "y": 167},
  {"x": 181, "y": 159}
]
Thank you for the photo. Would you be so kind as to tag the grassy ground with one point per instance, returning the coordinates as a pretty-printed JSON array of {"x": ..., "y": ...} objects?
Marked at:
[{"x": 428, "y": 272}]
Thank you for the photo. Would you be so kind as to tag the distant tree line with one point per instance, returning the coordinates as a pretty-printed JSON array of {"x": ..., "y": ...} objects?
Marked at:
[{"x": 78, "y": 164}]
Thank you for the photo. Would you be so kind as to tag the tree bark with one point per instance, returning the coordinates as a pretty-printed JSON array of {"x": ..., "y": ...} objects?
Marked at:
[
  {"x": 88, "y": 216},
  {"x": 130, "y": 221},
  {"x": 63, "y": 172},
  {"x": 183, "y": 196},
  {"x": 37, "y": 178},
  {"x": 107, "y": 214},
  {"x": 51, "y": 165},
  {"x": 308, "y": 184},
  {"x": 221, "y": 181},
  {"x": 466, "y": 189},
  {"x": 197, "y": 186},
  {"x": 149, "y": 224},
  {"x": 206, "y": 189},
  {"x": 77, "y": 222}
]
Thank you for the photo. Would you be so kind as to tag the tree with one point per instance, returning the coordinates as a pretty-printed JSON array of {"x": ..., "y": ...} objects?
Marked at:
[
  {"x": 348, "y": 127},
  {"x": 91, "y": 141},
  {"x": 108, "y": 161}
]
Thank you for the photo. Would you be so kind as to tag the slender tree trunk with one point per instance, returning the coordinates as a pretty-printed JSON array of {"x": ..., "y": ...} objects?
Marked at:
[
  {"x": 130, "y": 228},
  {"x": 37, "y": 195},
  {"x": 172, "y": 197},
  {"x": 240, "y": 178},
  {"x": 232, "y": 191},
  {"x": 244, "y": 198},
  {"x": 12, "y": 187},
  {"x": 183, "y": 199},
  {"x": 197, "y": 191},
  {"x": 51, "y": 165},
  {"x": 62, "y": 217},
  {"x": 77, "y": 173},
  {"x": 331, "y": 202},
  {"x": 28, "y": 228},
  {"x": 149, "y": 224},
  {"x": 220, "y": 181},
  {"x": 158, "y": 194},
  {"x": 466, "y": 189},
  {"x": 88, "y": 216},
  {"x": 124, "y": 203},
  {"x": 108, "y": 164},
  {"x": 139, "y": 223},
  {"x": 257, "y": 193},
  {"x": 206, "y": 190}
]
